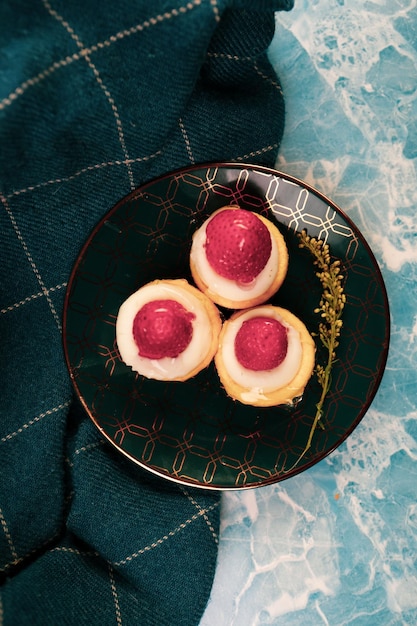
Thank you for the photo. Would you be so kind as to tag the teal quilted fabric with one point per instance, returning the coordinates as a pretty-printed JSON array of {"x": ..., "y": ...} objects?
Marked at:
[{"x": 96, "y": 98}]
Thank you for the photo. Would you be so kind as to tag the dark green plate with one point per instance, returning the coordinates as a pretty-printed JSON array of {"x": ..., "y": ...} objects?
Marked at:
[{"x": 192, "y": 432}]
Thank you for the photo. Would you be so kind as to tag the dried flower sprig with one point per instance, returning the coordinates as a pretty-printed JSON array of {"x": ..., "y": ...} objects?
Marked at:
[{"x": 332, "y": 303}]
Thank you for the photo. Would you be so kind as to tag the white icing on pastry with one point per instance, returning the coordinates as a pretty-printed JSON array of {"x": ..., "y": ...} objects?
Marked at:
[
  {"x": 223, "y": 286},
  {"x": 166, "y": 368},
  {"x": 258, "y": 383}
]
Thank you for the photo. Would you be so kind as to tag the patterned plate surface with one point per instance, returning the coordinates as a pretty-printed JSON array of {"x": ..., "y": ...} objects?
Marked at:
[{"x": 192, "y": 432}]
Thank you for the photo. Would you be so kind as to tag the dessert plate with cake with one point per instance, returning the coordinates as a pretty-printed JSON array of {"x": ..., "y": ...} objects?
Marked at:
[{"x": 199, "y": 359}]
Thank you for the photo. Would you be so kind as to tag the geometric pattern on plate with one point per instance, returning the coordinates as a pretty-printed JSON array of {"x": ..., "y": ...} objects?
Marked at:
[{"x": 192, "y": 432}]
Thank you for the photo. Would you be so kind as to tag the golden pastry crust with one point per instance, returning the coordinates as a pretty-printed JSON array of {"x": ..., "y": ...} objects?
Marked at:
[
  {"x": 213, "y": 327},
  {"x": 280, "y": 275},
  {"x": 283, "y": 395}
]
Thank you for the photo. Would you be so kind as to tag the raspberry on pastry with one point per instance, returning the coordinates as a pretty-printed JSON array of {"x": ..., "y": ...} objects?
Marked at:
[
  {"x": 167, "y": 330},
  {"x": 238, "y": 258},
  {"x": 265, "y": 356}
]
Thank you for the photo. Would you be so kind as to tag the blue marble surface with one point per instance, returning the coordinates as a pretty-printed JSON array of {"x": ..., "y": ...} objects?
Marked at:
[{"x": 337, "y": 545}]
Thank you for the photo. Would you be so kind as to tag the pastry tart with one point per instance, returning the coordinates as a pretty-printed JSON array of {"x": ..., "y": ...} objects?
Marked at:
[
  {"x": 265, "y": 356},
  {"x": 238, "y": 258},
  {"x": 168, "y": 330}
]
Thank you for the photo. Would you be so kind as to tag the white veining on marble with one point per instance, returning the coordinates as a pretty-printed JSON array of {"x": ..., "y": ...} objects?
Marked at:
[{"x": 337, "y": 545}]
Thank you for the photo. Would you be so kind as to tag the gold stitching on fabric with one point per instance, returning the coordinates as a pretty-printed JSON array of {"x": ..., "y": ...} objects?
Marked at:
[
  {"x": 75, "y": 551},
  {"x": 268, "y": 79},
  {"x": 215, "y": 10},
  {"x": 28, "y": 554},
  {"x": 171, "y": 533},
  {"x": 31, "y": 261},
  {"x": 229, "y": 57},
  {"x": 98, "y": 46},
  {"x": 186, "y": 140},
  {"x": 101, "y": 84},
  {"x": 89, "y": 446},
  {"x": 84, "y": 170},
  {"x": 86, "y": 448},
  {"x": 36, "y": 419},
  {"x": 31, "y": 82},
  {"x": 206, "y": 518},
  {"x": 115, "y": 595},
  {"x": 248, "y": 59},
  {"x": 34, "y": 296},
  {"x": 258, "y": 152},
  {"x": 8, "y": 537}
]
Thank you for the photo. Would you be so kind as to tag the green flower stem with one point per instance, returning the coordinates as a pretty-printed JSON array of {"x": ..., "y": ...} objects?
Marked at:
[{"x": 331, "y": 307}]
